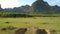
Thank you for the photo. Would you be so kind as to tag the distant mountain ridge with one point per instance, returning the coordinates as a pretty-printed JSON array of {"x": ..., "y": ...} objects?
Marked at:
[{"x": 38, "y": 7}]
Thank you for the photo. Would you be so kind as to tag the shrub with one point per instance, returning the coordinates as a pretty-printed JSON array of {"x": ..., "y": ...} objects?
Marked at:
[
  {"x": 11, "y": 28},
  {"x": 4, "y": 29},
  {"x": 7, "y": 22}
]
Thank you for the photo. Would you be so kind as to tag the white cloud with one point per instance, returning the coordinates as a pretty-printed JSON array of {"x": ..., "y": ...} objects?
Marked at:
[{"x": 9, "y": 3}]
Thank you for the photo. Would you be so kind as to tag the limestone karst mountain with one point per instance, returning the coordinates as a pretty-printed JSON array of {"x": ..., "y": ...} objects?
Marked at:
[{"x": 38, "y": 7}]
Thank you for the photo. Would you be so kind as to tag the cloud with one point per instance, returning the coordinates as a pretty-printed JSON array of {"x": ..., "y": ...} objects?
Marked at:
[
  {"x": 57, "y": 2},
  {"x": 53, "y": 2},
  {"x": 9, "y": 3}
]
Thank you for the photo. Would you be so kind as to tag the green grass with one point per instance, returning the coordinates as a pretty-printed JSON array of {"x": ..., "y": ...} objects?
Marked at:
[{"x": 43, "y": 22}]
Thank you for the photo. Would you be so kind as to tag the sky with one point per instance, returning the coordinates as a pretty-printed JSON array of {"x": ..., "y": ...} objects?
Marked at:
[{"x": 17, "y": 3}]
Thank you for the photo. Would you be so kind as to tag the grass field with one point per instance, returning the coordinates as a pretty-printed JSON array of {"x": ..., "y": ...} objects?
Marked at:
[{"x": 43, "y": 22}]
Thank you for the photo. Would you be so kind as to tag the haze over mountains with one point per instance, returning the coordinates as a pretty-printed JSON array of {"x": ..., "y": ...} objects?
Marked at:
[{"x": 38, "y": 7}]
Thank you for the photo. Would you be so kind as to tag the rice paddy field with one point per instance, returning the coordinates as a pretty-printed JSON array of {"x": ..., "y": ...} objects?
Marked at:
[{"x": 43, "y": 22}]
